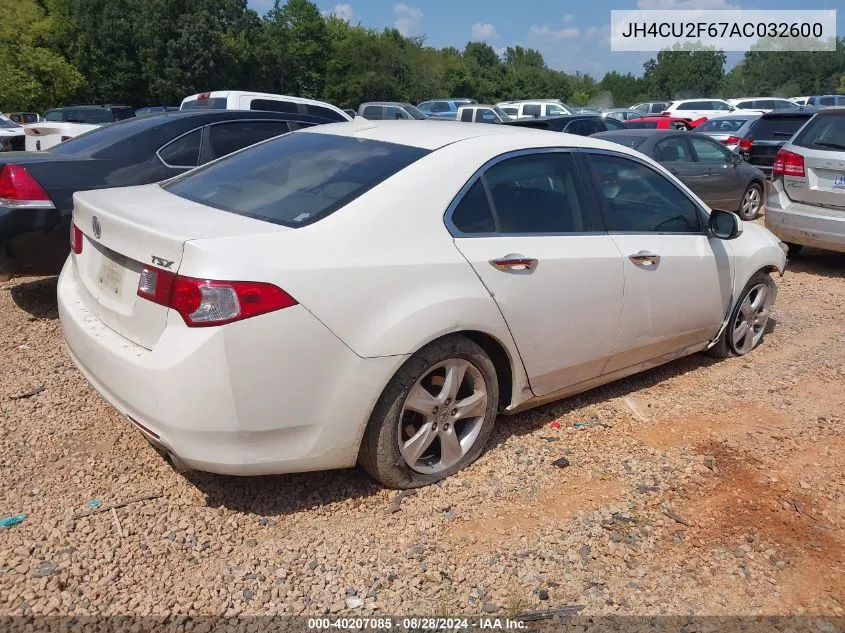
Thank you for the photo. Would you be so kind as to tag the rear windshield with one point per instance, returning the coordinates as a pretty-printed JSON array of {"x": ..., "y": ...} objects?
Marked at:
[
  {"x": 778, "y": 128},
  {"x": 641, "y": 125},
  {"x": 105, "y": 137},
  {"x": 823, "y": 132},
  {"x": 294, "y": 179},
  {"x": 624, "y": 139},
  {"x": 721, "y": 125},
  {"x": 218, "y": 103},
  {"x": 93, "y": 116}
]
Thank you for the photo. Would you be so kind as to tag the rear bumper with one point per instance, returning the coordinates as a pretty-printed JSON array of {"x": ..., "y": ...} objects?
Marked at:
[
  {"x": 274, "y": 394},
  {"x": 804, "y": 224},
  {"x": 33, "y": 241}
]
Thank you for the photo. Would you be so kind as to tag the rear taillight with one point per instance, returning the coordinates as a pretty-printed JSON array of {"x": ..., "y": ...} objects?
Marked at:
[
  {"x": 19, "y": 189},
  {"x": 205, "y": 302},
  {"x": 731, "y": 140},
  {"x": 745, "y": 144},
  {"x": 75, "y": 239},
  {"x": 788, "y": 164}
]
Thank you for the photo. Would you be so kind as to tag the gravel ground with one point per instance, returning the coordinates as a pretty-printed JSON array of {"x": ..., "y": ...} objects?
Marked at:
[{"x": 701, "y": 487}]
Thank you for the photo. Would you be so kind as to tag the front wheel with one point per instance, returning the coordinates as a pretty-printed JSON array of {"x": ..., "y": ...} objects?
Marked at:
[
  {"x": 752, "y": 202},
  {"x": 749, "y": 318},
  {"x": 434, "y": 417}
]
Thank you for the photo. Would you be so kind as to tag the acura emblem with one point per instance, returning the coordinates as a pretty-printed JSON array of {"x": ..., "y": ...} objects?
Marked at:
[{"x": 95, "y": 226}]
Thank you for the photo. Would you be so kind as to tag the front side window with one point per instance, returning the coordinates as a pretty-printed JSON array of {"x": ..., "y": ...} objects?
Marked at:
[
  {"x": 638, "y": 199},
  {"x": 225, "y": 138},
  {"x": 440, "y": 106},
  {"x": 538, "y": 193},
  {"x": 393, "y": 113},
  {"x": 183, "y": 151},
  {"x": 710, "y": 152},
  {"x": 413, "y": 112},
  {"x": 672, "y": 150},
  {"x": 486, "y": 115},
  {"x": 296, "y": 179},
  {"x": 555, "y": 110},
  {"x": 466, "y": 115},
  {"x": 374, "y": 113}
]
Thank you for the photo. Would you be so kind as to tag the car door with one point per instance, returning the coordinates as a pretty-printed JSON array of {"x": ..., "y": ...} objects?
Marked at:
[
  {"x": 677, "y": 280},
  {"x": 527, "y": 227},
  {"x": 674, "y": 153},
  {"x": 722, "y": 186}
]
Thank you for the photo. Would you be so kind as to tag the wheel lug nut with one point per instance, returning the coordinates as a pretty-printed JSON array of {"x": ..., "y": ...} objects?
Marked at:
[
  {"x": 448, "y": 401},
  {"x": 454, "y": 412},
  {"x": 436, "y": 409}
]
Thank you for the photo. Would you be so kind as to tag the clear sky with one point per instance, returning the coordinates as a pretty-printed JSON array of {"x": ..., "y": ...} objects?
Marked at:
[{"x": 573, "y": 35}]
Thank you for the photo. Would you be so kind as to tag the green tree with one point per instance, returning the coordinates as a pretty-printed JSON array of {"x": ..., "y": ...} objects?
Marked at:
[
  {"x": 299, "y": 38},
  {"x": 33, "y": 76},
  {"x": 625, "y": 90},
  {"x": 685, "y": 71}
]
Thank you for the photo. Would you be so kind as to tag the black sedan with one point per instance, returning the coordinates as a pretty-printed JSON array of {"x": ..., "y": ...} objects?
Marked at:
[
  {"x": 717, "y": 176},
  {"x": 580, "y": 124},
  {"x": 36, "y": 188}
]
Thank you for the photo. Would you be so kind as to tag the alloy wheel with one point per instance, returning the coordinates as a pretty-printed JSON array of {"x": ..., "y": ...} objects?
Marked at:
[
  {"x": 751, "y": 319},
  {"x": 751, "y": 203}
]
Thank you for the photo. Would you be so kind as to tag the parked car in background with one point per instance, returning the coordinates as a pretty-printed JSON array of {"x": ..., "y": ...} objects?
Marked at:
[
  {"x": 717, "y": 176},
  {"x": 802, "y": 101},
  {"x": 662, "y": 122},
  {"x": 352, "y": 113},
  {"x": 769, "y": 133},
  {"x": 389, "y": 110},
  {"x": 651, "y": 107},
  {"x": 806, "y": 205},
  {"x": 826, "y": 101},
  {"x": 482, "y": 113},
  {"x": 621, "y": 114},
  {"x": 728, "y": 129},
  {"x": 761, "y": 104},
  {"x": 61, "y": 124},
  {"x": 534, "y": 108},
  {"x": 585, "y": 110},
  {"x": 262, "y": 101},
  {"x": 297, "y": 248},
  {"x": 694, "y": 109},
  {"x": 12, "y": 138},
  {"x": 443, "y": 108},
  {"x": 150, "y": 110},
  {"x": 23, "y": 118},
  {"x": 36, "y": 189},
  {"x": 580, "y": 124}
]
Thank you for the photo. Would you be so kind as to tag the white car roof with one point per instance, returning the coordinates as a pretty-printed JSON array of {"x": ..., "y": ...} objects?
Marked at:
[
  {"x": 225, "y": 94},
  {"x": 679, "y": 101},
  {"x": 432, "y": 135},
  {"x": 738, "y": 99}
]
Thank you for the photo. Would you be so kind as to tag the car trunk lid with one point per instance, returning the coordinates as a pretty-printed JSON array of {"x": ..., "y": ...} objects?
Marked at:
[
  {"x": 124, "y": 230},
  {"x": 824, "y": 178}
]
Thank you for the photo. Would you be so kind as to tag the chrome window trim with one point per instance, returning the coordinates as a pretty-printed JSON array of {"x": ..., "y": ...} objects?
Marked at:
[{"x": 457, "y": 233}]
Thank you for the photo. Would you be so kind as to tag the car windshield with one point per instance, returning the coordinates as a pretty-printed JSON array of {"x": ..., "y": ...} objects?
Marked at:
[
  {"x": 624, "y": 139},
  {"x": 415, "y": 112},
  {"x": 721, "y": 125},
  {"x": 7, "y": 123},
  {"x": 295, "y": 179},
  {"x": 823, "y": 132}
]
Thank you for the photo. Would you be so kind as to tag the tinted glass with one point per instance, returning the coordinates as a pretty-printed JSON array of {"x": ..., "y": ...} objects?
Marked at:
[
  {"x": 473, "y": 214},
  {"x": 585, "y": 127},
  {"x": 105, "y": 138},
  {"x": 531, "y": 110},
  {"x": 777, "y": 128},
  {"x": 487, "y": 116},
  {"x": 718, "y": 105},
  {"x": 324, "y": 112},
  {"x": 827, "y": 101},
  {"x": 120, "y": 114},
  {"x": 218, "y": 103},
  {"x": 94, "y": 116},
  {"x": 783, "y": 105},
  {"x": 746, "y": 105},
  {"x": 539, "y": 193},
  {"x": 823, "y": 132},
  {"x": 641, "y": 125},
  {"x": 709, "y": 152},
  {"x": 226, "y": 138},
  {"x": 624, "y": 139},
  {"x": 295, "y": 179},
  {"x": 414, "y": 112},
  {"x": 373, "y": 113},
  {"x": 672, "y": 150},
  {"x": 640, "y": 200},
  {"x": 555, "y": 110},
  {"x": 660, "y": 106},
  {"x": 8, "y": 123},
  {"x": 613, "y": 124},
  {"x": 440, "y": 106},
  {"x": 53, "y": 115},
  {"x": 721, "y": 125},
  {"x": 184, "y": 151},
  {"x": 511, "y": 110},
  {"x": 271, "y": 105},
  {"x": 692, "y": 105},
  {"x": 466, "y": 115}
]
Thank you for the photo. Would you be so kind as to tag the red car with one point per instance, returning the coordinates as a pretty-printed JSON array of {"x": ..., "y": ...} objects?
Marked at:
[{"x": 663, "y": 122}]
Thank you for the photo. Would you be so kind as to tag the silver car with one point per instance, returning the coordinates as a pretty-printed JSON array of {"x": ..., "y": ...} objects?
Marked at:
[
  {"x": 728, "y": 129},
  {"x": 806, "y": 205},
  {"x": 621, "y": 114}
]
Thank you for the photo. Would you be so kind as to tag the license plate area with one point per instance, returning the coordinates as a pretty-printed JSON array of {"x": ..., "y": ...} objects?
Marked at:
[{"x": 111, "y": 273}]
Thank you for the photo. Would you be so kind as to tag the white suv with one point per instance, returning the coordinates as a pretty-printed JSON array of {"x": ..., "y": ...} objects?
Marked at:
[
  {"x": 693, "y": 109},
  {"x": 534, "y": 108},
  {"x": 240, "y": 100}
]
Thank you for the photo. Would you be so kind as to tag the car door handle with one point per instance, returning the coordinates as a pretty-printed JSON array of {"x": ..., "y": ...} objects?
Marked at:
[
  {"x": 644, "y": 258},
  {"x": 514, "y": 262}
]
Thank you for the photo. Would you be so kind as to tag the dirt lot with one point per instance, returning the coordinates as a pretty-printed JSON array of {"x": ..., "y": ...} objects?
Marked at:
[{"x": 701, "y": 487}]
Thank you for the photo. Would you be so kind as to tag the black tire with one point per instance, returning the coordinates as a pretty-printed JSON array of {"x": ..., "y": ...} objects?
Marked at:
[
  {"x": 794, "y": 249},
  {"x": 747, "y": 214},
  {"x": 379, "y": 454},
  {"x": 725, "y": 348}
]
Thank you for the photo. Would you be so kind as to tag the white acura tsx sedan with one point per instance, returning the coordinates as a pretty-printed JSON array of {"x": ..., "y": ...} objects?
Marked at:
[{"x": 377, "y": 292}]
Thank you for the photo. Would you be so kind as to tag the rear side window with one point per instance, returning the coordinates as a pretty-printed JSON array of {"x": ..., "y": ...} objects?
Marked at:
[
  {"x": 218, "y": 103},
  {"x": 225, "y": 138},
  {"x": 183, "y": 151},
  {"x": 777, "y": 128},
  {"x": 466, "y": 115},
  {"x": 823, "y": 132},
  {"x": 123, "y": 113},
  {"x": 672, "y": 150},
  {"x": 473, "y": 214},
  {"x": 296, "y": 179},
  {"x": 373, "y": 113},
  {"x": 324, "y": 112},
  {"x": 531, "y": 110}
]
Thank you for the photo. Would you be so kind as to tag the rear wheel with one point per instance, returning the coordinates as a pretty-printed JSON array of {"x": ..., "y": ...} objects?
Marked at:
[
  {"x": 434, "y": 417},
  {"x": 749, "y": 318},
  {"x": 752, "y": 201}
]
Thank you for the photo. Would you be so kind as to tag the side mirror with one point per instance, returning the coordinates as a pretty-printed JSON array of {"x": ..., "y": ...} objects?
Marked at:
[{"x": 724, "y": 225}]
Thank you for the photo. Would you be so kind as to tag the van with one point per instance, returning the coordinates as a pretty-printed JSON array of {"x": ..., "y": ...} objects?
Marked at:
[{"x": 241, "y": 100}]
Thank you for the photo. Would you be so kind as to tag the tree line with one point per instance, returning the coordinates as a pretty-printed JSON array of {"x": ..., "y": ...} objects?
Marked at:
[{"x": 156, "y": 52}]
